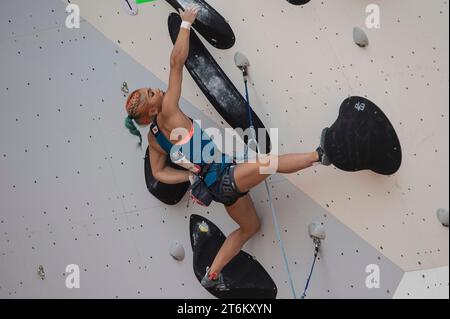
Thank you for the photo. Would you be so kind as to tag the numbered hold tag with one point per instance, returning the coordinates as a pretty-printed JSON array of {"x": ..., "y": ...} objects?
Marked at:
[{"x": 130, "y": 6}]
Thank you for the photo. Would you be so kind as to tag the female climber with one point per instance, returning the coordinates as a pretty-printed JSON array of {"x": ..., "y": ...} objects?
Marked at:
[{"x": 227, "y": 181}]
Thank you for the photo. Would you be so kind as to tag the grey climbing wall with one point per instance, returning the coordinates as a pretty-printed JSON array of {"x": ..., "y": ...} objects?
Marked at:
[{"x": 71, "y": 178}]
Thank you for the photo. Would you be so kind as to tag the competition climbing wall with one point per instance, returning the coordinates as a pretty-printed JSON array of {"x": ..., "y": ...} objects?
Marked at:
[{"x": 71, "y": 178}]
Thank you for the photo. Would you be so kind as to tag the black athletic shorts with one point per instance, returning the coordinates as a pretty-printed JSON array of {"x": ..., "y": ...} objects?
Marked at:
[{"x": 225, "y": 190}]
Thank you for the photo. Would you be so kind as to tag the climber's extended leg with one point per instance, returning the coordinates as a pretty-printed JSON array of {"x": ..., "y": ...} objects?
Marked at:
[
  {"x": 243, "y": 212},
  {"x": 248, "y": 175}
]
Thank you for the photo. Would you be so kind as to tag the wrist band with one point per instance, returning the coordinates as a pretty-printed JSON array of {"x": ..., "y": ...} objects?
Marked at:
[{"x": 186, "y": 25}]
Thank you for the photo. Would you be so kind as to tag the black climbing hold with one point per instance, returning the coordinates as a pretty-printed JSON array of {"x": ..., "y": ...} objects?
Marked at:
[
  {"x": 244, "y": 276},
  {"x": 298, "y": 2},
  {"x": 168, "y": 194},
  {"x": 209, "y": 23},
  {"x": 363, "y": 138}
]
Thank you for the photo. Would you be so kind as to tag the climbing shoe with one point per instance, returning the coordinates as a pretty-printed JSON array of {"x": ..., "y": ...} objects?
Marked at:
[{"x": 214, "y": 281}]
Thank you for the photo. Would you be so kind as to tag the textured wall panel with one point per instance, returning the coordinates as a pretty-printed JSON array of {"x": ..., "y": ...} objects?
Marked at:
[{"x": 71, "y": 179}]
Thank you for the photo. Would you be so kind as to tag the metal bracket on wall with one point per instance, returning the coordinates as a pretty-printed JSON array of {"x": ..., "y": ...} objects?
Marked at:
[
  {"x": 125, "y": 89},
  {"x": 41, "y": 272}
]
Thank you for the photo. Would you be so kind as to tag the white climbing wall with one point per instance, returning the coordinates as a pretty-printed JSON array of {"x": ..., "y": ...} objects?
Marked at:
[
  {"x": 71, "y": 180},
  {"x": 424, "y": 284}
]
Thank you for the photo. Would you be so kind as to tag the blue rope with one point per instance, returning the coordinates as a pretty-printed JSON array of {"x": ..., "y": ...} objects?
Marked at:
[
  {"x": 310, "y": 275},
  {"x": 274, "y": 214}
]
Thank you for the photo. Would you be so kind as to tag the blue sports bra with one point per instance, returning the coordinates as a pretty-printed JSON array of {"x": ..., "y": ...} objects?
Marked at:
[{"x": 191, "y": 154}]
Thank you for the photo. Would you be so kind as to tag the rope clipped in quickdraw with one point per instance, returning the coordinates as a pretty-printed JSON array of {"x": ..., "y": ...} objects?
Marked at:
[
  {"x": 317, "y": 233},
  {"x": 242, "y": 63}
]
